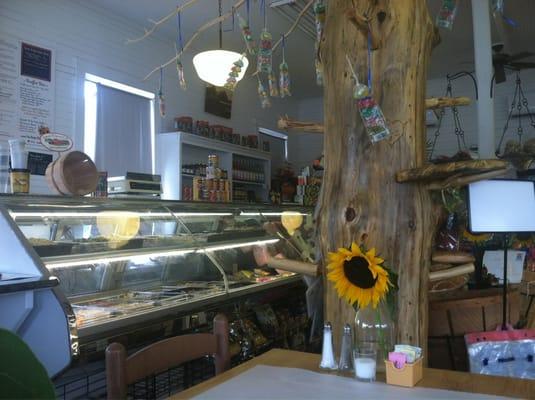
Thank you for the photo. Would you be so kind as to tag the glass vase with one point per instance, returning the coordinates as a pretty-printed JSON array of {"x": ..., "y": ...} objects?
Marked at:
[{"x": 374, "y": 329}]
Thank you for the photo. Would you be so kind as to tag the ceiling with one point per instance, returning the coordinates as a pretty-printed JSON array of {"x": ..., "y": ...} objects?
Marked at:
[{"x": 454, "y": 53}]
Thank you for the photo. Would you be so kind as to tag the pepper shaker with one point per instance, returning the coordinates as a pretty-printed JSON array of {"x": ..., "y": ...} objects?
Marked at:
[
  {"x": 346, "y": 356},
  {"x": 328, "y": 361}
]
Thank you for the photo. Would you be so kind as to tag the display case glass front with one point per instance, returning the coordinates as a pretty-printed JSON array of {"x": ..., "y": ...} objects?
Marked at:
[{"x": 120, "y": 261}]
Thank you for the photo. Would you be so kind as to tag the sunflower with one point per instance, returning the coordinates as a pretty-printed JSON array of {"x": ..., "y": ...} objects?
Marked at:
[{"x": 358, "y": 276}]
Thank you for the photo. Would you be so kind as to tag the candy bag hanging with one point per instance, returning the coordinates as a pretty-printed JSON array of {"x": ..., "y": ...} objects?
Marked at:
[
  {"x": 263, "y": 95},
  {"x": 265, "y": 52},
  {"x": 179, "y": 66},
  {"x": 284, "y": 80},
  {"x": 272, "y": 83},
  {"x": 284, "y": 75},
  {"x": 370, "y": 112},
  {"x": 247, "y": 36},
  {"x": 446, "y": 14},
  {"x": 319, "y": 13},
  {"x": 161, "y": 100},
  {"x": 180, "y": 72},
  {"x": 235, "y": 70}
]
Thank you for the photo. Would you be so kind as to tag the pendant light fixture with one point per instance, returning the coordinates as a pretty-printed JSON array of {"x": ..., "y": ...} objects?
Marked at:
[{"x": 213, "y": 66}]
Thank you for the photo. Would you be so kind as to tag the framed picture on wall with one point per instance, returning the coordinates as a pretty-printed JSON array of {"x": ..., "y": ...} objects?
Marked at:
[{"x": 218, "y": 101}]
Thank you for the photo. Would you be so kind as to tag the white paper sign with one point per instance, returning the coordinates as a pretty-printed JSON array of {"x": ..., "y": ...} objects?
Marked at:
[
  {"x": 27, "y": 90},
  {"x": 493, "y": 260}
]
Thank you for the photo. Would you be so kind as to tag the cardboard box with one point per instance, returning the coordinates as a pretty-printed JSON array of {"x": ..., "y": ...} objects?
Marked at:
[{"x": 407, "y": 376}]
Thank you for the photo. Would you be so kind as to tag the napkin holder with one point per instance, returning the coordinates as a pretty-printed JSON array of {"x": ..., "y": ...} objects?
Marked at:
[{"x": 408, "y": 375}]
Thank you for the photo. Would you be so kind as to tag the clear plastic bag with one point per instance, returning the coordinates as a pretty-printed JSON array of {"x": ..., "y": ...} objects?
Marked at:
[{"x": 505, "y": 353}]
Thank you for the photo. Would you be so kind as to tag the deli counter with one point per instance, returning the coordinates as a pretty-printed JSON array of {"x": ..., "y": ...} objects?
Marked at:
[{"x": 126, "y": 262}]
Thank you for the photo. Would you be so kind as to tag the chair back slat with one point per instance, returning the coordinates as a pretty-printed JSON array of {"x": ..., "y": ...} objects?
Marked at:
[
  {"x": 158, "y": 357},
  {"x": 168, "y": 353}
]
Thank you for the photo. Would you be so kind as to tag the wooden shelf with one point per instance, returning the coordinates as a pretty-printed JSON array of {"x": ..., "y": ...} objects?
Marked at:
[
  {"x": 218, "y": 145},
  {"x": 248, "y": 182},
  {"x": 175, "y": 149}
]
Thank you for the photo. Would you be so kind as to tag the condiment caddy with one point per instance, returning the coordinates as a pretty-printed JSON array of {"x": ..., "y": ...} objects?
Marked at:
[{"x": 403, "y": 367}]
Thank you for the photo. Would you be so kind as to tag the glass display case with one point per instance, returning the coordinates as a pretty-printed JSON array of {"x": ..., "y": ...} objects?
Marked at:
[{"x": 126, "y": 261}]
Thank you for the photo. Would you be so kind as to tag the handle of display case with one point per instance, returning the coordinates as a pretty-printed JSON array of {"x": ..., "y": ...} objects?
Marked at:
[
  {"x": 19, "y": 285},
  {"x": 299, "y": 267}
]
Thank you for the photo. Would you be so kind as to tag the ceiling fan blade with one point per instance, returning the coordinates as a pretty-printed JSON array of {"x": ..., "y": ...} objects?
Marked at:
[
  {"x": 499, "y": 73},
  {"x": 521, "y": 55}
]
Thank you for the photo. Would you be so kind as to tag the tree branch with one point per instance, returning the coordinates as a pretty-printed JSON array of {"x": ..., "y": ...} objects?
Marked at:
[
  {"x": 156, "y": 24},
  {"x": 207, "y": 25},
  {"x": 294, "y": 25}
]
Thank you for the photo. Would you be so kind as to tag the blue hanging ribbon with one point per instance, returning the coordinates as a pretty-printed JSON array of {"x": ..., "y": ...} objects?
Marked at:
[
  {"x": 248, "y": 7},
  {"x": 369, "y": 59},
  {"x": 179, "y": 23},
  {"x": 161, "y": 81},
  {"x": 233, "y": 21},
  {"x": 263, "y": 11},
  {"x": 283, "y": 46}
]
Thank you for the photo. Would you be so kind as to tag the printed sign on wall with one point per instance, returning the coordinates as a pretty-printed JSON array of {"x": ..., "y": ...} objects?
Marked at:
[{"x": 27, "y": 89}]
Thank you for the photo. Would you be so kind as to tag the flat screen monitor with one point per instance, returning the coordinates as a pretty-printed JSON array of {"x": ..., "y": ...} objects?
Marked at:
[{"x": 501, "y": 205}]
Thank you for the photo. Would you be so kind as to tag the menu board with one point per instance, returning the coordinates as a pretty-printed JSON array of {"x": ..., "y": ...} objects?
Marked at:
[{"x": 27, "y": 90}]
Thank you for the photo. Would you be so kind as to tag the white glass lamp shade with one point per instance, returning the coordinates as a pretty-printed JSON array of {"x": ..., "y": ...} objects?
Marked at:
[{"x": 214, "y": 66}]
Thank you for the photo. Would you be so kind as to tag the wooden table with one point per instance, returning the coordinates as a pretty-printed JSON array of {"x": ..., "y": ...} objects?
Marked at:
[{"x": 433, "y": 378}]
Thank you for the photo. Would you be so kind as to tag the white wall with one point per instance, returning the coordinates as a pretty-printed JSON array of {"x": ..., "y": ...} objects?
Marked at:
[
  {"x": 86, "y": 38},
  {"x": 303, "y": 147}
]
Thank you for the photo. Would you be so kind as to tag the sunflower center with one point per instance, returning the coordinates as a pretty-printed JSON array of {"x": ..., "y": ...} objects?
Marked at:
[{"x": 357, "y": 272}]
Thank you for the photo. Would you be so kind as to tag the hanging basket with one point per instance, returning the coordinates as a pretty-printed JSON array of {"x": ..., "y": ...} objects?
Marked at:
[{"x": 519, "y": 152}]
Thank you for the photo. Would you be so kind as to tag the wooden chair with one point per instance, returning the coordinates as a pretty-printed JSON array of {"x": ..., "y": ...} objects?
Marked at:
[{"x": 122, "y": 371}]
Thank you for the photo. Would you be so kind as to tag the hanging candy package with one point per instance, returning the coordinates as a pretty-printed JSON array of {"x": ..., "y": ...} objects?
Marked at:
[
  {"x": 265, "y": 52},
  {"x": 247, "y": 36},
  {"x": 272, "y": 83},
  {"x": 161, "y": 104},
  {"x": 371, "y": 114},
  {"x": 319, "y": 13},
  {"x": 180, "y": 72},
  {"x": 446, "y": 14},
  {"x": 284, "y": 80},
  {"x": 233, "y": 74},
  {"x": 263, "y": 95}
]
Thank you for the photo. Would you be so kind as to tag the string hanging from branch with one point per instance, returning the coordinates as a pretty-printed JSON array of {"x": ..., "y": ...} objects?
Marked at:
[
  {"x": 179, "y": 66},
  {"x": 292, "y": 28},
  {"x": 204, "y": 27},
  {"x": 284, "y": 75},
  {"x": 245, "y": 26},
  {"x": 319, "y": 14},
  {"x": 157, "y": 24},
  {"x": 161, "y": 99}
]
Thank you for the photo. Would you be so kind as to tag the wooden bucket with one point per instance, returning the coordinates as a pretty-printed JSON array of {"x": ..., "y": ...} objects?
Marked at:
[{"x": 72, "y": 174}]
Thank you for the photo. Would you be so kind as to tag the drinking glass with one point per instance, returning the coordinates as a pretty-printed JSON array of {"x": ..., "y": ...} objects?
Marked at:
[{"x": 365, "y": 364}]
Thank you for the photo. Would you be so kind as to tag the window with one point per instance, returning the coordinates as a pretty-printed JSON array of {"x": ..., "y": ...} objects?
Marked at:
[
  {"x": 278, "y": 145},
  {"x": 119, "y": 126}
]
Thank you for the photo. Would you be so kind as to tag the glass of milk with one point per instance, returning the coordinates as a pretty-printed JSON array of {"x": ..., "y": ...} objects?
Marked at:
[{"x": 365, "y": 364}]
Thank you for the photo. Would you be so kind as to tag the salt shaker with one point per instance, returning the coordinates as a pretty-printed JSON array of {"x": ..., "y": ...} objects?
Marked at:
[
  {"x": 346, "y": 351},
  {"x": 327, "y": 353}
]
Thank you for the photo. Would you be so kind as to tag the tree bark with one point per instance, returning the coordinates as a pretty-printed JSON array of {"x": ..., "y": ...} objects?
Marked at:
[{"x": 360, "y": 199}]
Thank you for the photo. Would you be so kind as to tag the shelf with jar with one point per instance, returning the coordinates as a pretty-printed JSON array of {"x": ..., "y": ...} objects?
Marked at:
[{"x": 181, "y": 157}]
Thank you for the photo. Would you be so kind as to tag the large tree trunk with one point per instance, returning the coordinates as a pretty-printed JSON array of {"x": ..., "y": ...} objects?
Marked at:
[{"x": 360, "y": 199}]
